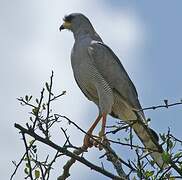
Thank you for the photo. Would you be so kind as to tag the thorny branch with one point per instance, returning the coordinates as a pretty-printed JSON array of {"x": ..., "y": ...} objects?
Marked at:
[{"x": 141, "y": 166}]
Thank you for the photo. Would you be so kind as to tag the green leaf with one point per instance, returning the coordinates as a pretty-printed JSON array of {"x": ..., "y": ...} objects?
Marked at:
[
  {"x": 35, "y": 111},
  {"x": 139, "y": 174},
  {"x": 180, "y": 165},
  {"x": 171, "y": 178},
  {"x": 170, "y": 144},
  {"x": 166, "y": 157},
  {"x": 177, "y": 155},
  {"x": 152, "y": 162},
  {"x": 25, "y": 159},
  {"x": 26, "y": 170},
  {"x": 126, "y": 139},
  {"x": 27, "y": 165},
  {"x": 149, "y": 173},
  {"x": 31, "y": 142},
  {"x": 37, "y": 174}
]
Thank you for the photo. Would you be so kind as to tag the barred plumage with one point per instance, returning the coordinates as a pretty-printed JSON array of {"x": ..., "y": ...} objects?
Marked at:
[{"x": 102, "y": 78}]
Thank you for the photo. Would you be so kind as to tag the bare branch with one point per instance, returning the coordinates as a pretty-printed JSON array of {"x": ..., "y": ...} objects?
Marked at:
[
  {"x": 27, "y": 155},
  {"x": 166, "y": 105},
  {"x": 17, "y": 166},
  {"x": 67, "y": 153}
]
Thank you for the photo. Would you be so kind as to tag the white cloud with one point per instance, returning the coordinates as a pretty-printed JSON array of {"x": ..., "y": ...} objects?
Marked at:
[{"x": 36, "y": 47}]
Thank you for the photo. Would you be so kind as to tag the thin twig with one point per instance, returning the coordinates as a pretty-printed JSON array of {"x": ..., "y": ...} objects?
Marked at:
[
  {"x": 17, "y": 166},
  {"x": 48, "y": 105},
  {"x": 160, "y": 106},
  {"x": 38, "y": 108},
  {"x": 67, "y": 153},
  {"x": 27, "y": 154}
]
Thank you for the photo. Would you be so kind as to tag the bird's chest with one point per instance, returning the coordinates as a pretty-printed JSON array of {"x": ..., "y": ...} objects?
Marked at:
[{"x": 84, "y": 71}]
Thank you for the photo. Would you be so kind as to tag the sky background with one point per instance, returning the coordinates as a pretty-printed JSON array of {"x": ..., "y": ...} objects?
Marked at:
[{"x": 145, "y": 35}]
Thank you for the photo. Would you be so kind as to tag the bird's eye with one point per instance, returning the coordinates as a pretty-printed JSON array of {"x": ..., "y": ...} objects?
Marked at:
[{"x": 68, "y": 18}]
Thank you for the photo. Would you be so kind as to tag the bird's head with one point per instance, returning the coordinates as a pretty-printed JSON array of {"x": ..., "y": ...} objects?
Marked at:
[{"x": 76, "y": 22}]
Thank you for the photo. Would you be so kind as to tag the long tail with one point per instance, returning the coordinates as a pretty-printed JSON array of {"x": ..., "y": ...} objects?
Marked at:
[{"x": 147, "y": 136}]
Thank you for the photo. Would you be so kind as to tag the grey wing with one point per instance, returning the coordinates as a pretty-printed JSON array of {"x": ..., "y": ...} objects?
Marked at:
[{"x": 110, "y": 67}]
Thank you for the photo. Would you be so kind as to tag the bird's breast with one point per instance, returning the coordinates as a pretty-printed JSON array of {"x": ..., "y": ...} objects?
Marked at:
[{"x": 83, "y": 72}]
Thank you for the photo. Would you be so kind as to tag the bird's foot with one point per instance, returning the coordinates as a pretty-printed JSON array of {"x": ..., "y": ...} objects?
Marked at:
[
  {"x": 88, "y": 141},
  {"x": 92, "y": 140},
  {"x": 100, "y": 140}
]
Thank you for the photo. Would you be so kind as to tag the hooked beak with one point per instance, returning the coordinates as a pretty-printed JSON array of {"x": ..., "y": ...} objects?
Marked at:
[
  {"x": 65, "y": 25},
  {"x": 61, "y": 27}
]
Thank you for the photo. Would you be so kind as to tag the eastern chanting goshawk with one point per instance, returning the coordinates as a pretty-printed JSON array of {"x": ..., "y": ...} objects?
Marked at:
[{"x": 103, "y": 79}]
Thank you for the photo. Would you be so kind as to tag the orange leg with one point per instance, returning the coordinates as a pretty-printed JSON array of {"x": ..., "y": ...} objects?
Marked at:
[
  {"x": 102, "y": 132},
  {"x": 86, "y": 141}
]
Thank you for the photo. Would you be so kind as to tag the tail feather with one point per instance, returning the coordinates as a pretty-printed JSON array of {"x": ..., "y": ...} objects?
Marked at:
[
  {"x": 147, "y": 136},
  {"x": 122, "y": 110},
  {"x": 150, "y": 142}
]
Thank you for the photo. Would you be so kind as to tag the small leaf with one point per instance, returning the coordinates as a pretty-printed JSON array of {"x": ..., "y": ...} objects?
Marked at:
[
  {"x": 171, "y": 178},
  {"x": 34, "y": 146},
  {"x": 126, "y": 139},
  {"x": 149, "y": 173},
  {"x": 27, "y": 165},
  {"x": 26, "y": 170},
  {"x": 139, "y": 174},
  {"x": 25, "y": 159},
  {"x": 26, "y": 98},
  {"x": 30, "y": 98},
  {"x": 31, "y": 119},
  {"x": 170, "y": 144},
  {"x": 44, "y": 106},
  {"x": 180, "y": 165},
  {"x": 31, "y": 142},
  {"x": 166, "y": 157},
  {"x": 152, "y": 162},
  {"x": 47, "y": 86},
  {"x": 35, "y": 111},
  {"x": 177, "y": 155},
  {"x": 37, "y": 101},
  {"x": 37, "y": 174},
  {"x": 35, "y": 150}
]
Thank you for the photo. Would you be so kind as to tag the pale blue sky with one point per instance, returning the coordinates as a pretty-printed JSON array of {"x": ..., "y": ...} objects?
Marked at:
[{"x": 146, "y": 34}]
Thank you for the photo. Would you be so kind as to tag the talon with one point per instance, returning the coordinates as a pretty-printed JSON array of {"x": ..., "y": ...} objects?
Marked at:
[
  {"x": 97, "y": 140},
  {"x": 87, "y": 142}
]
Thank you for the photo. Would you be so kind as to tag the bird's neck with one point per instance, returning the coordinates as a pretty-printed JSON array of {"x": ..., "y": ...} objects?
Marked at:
[{"x": 83, "y": 33}]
